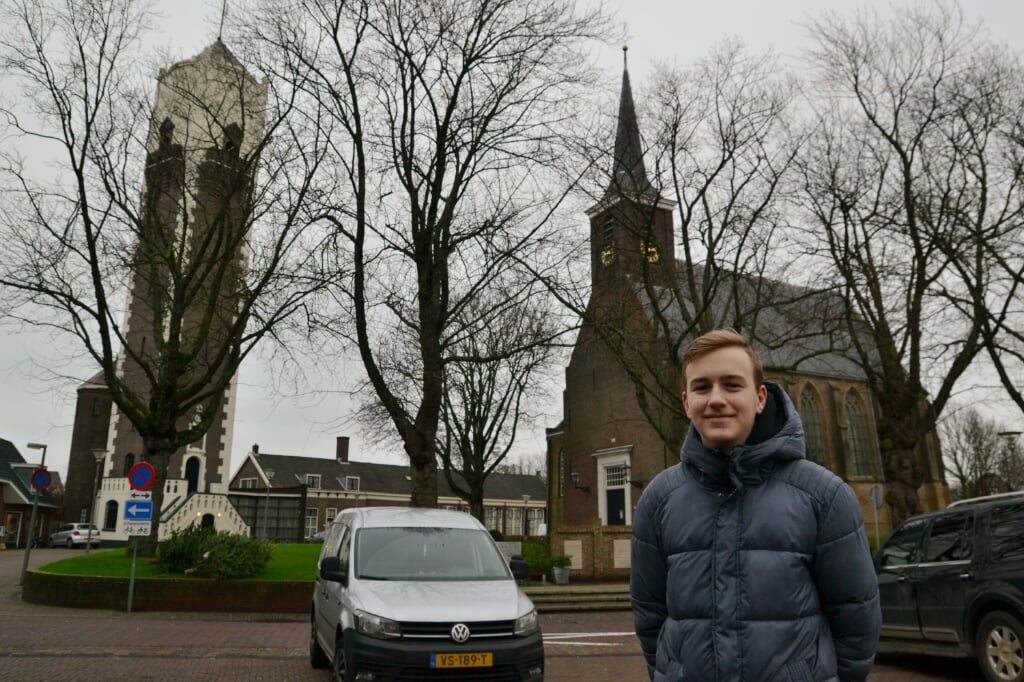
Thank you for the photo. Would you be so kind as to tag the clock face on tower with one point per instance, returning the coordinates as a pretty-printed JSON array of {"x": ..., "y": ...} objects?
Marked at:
[
  {"x": 649, "y": 251},
  {"x": 607, "y": 255}
]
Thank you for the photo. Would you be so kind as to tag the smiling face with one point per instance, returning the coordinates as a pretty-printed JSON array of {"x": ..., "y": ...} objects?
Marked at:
[{"x": 722, "y": 398}]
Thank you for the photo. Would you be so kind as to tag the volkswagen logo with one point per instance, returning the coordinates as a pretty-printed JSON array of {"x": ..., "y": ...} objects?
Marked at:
[{"x": 460, "y": 632}]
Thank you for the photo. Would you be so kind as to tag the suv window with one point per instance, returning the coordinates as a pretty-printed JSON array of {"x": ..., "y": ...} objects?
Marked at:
[
  {"x": 1006, "y": 532},
  {"x": 951, "y": 539},
  {"x": 903, "y": 547}
]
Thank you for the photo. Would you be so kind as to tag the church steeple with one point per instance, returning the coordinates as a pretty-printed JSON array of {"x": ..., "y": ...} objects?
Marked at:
[
  {"x": 628, "y": 174},
  {"x": 631, "y": 232}
]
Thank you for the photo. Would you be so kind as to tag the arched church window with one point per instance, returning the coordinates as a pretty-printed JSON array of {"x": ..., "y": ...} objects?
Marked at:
[
  {"x": 814, "y": 436},
  {"x": 857, "y": 438},
  {"x": 129, "y": 461}
]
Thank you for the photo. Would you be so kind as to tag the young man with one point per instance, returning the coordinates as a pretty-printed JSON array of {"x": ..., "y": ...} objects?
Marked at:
[{"x": 749, "y": 562}]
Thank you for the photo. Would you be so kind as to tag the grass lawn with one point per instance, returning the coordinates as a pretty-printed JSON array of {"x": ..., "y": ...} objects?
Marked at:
[{"x": 291, "y": 561}]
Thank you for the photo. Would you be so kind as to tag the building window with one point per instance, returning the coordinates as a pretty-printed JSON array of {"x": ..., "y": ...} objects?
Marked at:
[
  {"x": 313, "y": 480},
  {"x": 810, "y": 415},
  {"x": 857, "y": 438},
  {"x": 608, "y": 231},
  {"x": 615, "y": 476},
  {"x": 514, "y": 516},
  {"x": 246, "y": 483},
  {"x": 129, "y": 462},
  {"x": 351, "y": 483},
  {"x": 492, "y": 518},
  {"x": 110, "y": 516},
  {"x": 331, "y": 513},
  {"x": 311, "y": 521},
  {"x": 95, "y": 407}
]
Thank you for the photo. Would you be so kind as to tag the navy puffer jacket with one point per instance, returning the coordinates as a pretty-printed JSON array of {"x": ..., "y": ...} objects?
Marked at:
[{"x": 754, "y": 566}]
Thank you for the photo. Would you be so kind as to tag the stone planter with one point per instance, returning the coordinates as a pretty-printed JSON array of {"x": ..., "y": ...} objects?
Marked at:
[{"x": 560, "y": 574}]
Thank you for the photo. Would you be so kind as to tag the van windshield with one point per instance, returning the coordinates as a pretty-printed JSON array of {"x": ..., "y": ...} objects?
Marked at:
[{"x": 427, "y": 554}]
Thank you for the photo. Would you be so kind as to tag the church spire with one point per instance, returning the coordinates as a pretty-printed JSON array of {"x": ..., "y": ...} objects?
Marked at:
[{"x": 628, "y": 173}]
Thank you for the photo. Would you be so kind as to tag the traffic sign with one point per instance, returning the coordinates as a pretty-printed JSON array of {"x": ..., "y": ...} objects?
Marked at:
[
  {"x": 41, "y": 479},
  {"x": 140, "y": 528},
  {"x": 138, "y": 510},
  {"x": 141, "y": 476}
]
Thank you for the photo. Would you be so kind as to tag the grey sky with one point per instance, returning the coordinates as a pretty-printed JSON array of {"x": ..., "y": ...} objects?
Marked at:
[{"x": 39, "y": 410}]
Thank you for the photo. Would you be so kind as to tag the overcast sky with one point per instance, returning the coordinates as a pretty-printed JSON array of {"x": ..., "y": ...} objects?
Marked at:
[{"x": 35, "y": 409}]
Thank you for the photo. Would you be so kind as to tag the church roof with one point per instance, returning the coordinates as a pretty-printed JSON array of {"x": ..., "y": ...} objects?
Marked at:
[
  {"x": 798, "y": 329},
  {"x": 629, "y": 177}
]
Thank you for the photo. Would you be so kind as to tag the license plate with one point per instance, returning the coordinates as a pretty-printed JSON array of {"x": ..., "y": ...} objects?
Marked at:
[{"x": 476, "y": 660}]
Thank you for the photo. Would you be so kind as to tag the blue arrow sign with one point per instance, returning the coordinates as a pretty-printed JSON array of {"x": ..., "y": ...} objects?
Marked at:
[{"x": 138, "y": 510}]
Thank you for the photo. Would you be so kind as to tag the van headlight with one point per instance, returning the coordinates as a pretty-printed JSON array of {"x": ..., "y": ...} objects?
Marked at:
[
  {"x": 526, "y": 625},
  {"x": 376, "y": 626}
]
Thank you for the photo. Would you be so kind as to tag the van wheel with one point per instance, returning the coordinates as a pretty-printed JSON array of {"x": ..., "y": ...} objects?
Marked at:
[
  {"x": 999, "y": 647},
  {"x": 339, "y": 666},
  {"x": 317, "y": 657}
]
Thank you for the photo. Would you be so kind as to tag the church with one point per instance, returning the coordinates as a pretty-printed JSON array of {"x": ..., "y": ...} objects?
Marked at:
[{"x": 622, "y": 420}]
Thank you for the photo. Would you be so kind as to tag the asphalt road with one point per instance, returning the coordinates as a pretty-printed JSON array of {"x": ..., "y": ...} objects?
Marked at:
[{"x": 50, "y": 643}]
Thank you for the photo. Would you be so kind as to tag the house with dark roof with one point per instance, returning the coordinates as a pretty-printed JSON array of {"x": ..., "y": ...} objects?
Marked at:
[
  {"x": 290, "y": 498},
  {"x": 17, "y": 495},
  {"x": 608, "y": 446}
]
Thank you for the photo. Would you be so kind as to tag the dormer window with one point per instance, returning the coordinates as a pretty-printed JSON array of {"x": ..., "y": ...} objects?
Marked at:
[
  {"x": 349, "y": 482},
  {"x": 313, "y": 480}
]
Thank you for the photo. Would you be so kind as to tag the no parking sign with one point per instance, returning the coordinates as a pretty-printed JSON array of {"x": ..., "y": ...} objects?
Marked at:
[{"x": 141, "y": 476}]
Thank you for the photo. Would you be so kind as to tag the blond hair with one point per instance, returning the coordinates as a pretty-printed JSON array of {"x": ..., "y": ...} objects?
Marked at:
[{"x": 722, "y": 338}]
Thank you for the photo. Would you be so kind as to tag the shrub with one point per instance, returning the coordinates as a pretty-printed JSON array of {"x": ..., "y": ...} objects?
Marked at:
[
  {"x": 227, "y": 556},
  {"x": 183, "y": 549},
  {"x": 210, "y": 554},
  {"x": 537, "y": 555},
  {"x": 497, "y": 535}
]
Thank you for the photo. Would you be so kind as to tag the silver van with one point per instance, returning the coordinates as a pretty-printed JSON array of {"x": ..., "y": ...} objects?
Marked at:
[{"x": 411, "y": 593}]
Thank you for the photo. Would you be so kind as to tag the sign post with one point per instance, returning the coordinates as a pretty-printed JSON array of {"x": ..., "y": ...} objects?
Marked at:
[
  {"x": 875, "y": 493},
  {"x": 138, "y": 513}
]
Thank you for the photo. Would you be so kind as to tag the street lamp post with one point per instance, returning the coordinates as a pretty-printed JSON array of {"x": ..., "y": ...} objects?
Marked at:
[
  {"x": 526, "y": 515},
  {"x": 99, "y": 454},
  {"x": 266, "y": 506},
  {"x": 32, "y": 517}
]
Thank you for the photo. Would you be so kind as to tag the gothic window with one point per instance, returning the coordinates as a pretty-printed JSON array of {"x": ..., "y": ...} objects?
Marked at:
[
  {"x": 810, "y": 415},
  {"x": 857, "y": 438},
  {"x": 129, "y": 461}
]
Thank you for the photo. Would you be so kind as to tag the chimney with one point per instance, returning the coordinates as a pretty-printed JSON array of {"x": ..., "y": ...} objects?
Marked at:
[
  {"x": 341, "y": 451},
  {"x": 255, "y": 448}
]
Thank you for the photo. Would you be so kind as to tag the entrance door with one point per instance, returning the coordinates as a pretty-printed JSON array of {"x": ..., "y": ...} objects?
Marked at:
[{"x": 616, "y": 505}]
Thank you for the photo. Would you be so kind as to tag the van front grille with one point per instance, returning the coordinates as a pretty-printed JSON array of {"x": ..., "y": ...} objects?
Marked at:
[{"x": 480, "y": 630}]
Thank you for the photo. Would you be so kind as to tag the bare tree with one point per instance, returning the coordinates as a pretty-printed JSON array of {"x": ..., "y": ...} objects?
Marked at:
[
  {"x": 190, "y": 228},
  {"x": 491, "y": 385},
  {"x": 909, "y": 187},
  {"x": 981, "y": 456},
  {"x": 444, "y": 119}
]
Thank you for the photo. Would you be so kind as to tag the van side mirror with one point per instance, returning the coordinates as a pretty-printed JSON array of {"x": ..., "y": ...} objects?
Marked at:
[
  {"x": 519, "y": 568},
  {"x": 332, "y": 569}
]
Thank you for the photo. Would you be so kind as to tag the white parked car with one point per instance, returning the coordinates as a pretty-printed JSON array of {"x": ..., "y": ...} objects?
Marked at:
[
  {"x": 425, "y": 594},
  {"x": 74, "y": 535}
]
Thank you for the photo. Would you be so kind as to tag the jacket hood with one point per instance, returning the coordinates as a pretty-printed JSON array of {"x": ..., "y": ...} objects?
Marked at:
[{"x": 778, "y": 436}]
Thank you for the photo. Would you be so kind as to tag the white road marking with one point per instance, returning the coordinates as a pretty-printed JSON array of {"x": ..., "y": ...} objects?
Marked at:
[{"x": 570, "y": 638}]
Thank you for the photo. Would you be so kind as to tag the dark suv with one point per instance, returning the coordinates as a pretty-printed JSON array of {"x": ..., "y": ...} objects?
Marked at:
[{"x": 952, "y": 584}]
